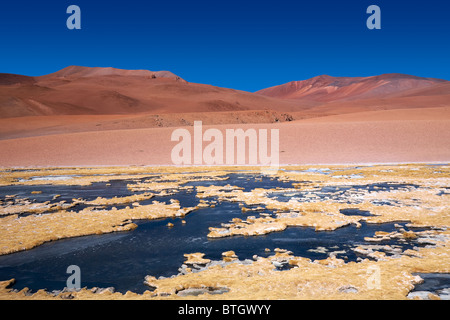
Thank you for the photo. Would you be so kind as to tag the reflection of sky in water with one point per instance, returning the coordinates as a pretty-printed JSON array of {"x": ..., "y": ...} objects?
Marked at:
[
  {"x": 123, "y": 259},
  {"x": 433, "y": 282},
  {"x": 340, "y": 193}
]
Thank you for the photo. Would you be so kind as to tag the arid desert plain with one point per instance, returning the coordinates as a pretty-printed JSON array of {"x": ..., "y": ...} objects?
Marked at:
[{"x": 357, "y": 208}]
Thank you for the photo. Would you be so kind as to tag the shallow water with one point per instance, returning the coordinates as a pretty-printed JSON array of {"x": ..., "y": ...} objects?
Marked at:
[
  {"x": 123, "y": 259},
  {"x": 340, "y": 193},
  {"x": 433, "y": 281},
  {"x": 437, "y": 284}
]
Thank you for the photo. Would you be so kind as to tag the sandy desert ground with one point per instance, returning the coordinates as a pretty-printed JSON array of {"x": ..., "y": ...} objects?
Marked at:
[
  {"x": 396, "y": 194},
  {"x": 83, "y": 116},
  {"x": 110, "y": 120},
  {"x": 391, "y": 136}
]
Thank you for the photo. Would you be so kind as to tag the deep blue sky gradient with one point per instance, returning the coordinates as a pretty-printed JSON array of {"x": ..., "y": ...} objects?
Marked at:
[{"x": 246, "y": 45}]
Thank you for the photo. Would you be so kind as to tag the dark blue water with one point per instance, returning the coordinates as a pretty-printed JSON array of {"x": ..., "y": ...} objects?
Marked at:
[
  {"x": 433, "y": 281},
  {"x": 122, "y": 260},
  {"x": 355, "y": 212},
  {"x": 340, "y": 193},
  {"x": 67, "y": 193},
  {"x": 436, "y": 283}
]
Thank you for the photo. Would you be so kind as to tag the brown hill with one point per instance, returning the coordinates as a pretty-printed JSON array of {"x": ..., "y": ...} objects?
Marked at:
[
  {"x": 7, "y": 79},
  {"x": 92, "y": 91},
  {"x": 331, "y": 89},
  {"x": 145, "y": 94},
  {"x": 79, "y": 72},
  {"x": 82, "y": 116}
]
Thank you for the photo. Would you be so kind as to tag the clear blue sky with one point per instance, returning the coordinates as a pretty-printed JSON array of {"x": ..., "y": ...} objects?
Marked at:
[{"x": 247, "y": 45}]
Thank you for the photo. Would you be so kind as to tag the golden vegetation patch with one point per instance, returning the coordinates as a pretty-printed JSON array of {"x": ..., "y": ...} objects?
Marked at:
[
  {"x": 119, "y": 200},
  {"x": 21, "y": 206},
  {"x": 86, "y": 176},
  {"x": 22, "y": 233},
  {"x": 423, "y": 201},
  {"x": 323, "y": 279}
]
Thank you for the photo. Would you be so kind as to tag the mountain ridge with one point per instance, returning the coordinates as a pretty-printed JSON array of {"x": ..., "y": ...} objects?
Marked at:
[
  {"x": 78, "y": 90},
  {"x": 325, "y": 88}
]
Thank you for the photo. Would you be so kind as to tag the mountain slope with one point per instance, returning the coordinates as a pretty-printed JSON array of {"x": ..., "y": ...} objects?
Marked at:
[
  {"x": 79, "y": 90},
  {"x": 79, "y": 72},
  {"x": 331, "y": 89},
  {"x": 90, "y": 91}
]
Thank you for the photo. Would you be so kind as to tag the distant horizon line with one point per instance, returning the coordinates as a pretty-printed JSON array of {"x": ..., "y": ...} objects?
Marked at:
[{"x": 317, "y": 76}]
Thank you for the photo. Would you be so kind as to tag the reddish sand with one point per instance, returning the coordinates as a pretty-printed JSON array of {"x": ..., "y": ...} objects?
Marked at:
[
  {"x": 107, "y": 91},
  {"x": 439, "y": 113},
  {"x": 44, "y": 125},
  {"x": 333, "y": 140},
  {"x": 325, "y": 88},
  {"x": 104, "y": 116}
]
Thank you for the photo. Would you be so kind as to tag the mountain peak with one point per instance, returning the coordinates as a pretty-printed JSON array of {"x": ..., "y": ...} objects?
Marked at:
[
  {"x": 322, "y": 76},
  {"x": 81, "y": 71},
  {"x": 325, "y": 88}
]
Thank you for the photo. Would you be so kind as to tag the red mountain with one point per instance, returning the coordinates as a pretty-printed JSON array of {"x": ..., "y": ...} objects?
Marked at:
[
  {"x": 90, "y": 91},
  {"x": 331, "y": 89}
]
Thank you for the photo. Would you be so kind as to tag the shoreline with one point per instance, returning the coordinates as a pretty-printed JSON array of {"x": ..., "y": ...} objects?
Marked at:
[
  {"x": 417, "y": 203},
  {"x": 230, "y": 167},
  {"x": 350, "y": 139}
]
